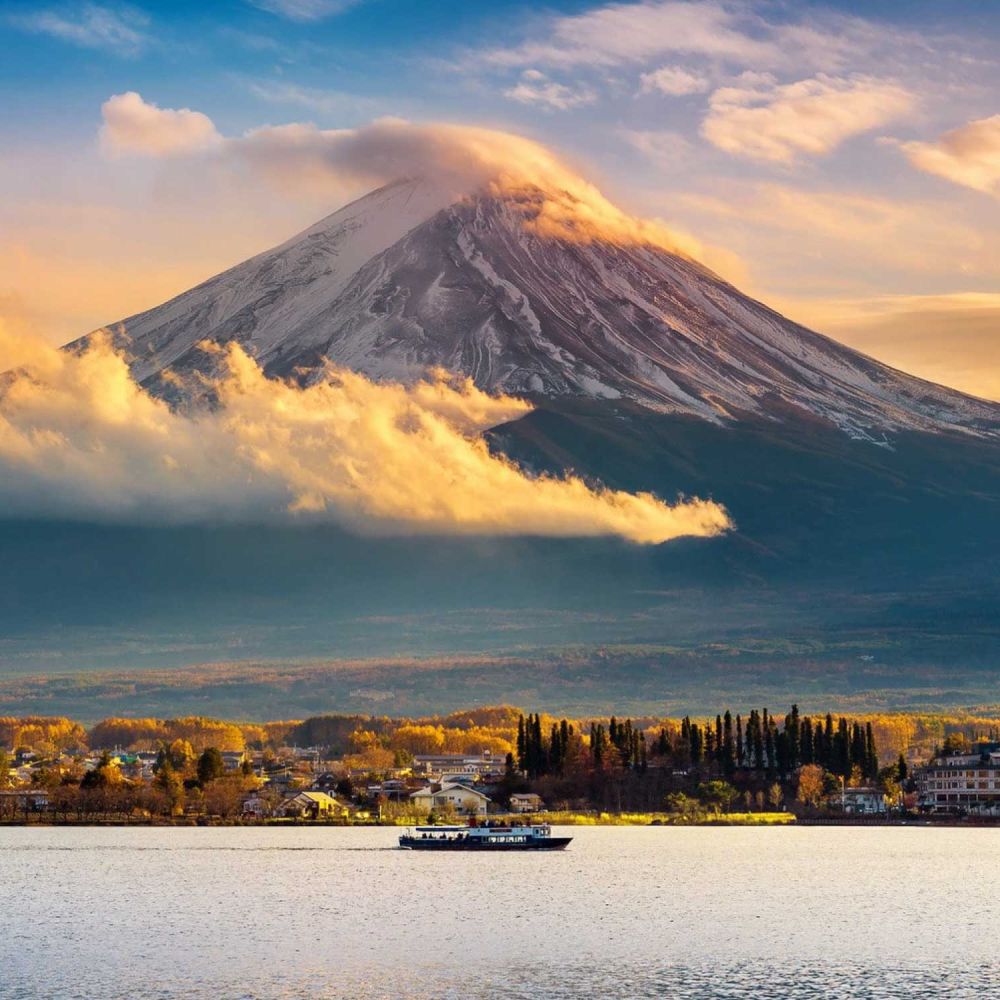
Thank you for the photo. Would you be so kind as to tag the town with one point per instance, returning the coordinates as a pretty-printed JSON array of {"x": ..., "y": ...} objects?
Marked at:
[{"x": 756, "y": 768}]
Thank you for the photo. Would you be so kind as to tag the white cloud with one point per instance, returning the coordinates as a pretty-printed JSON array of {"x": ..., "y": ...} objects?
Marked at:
[
  {"x": 305, "y": 10},
  {"x": 668, "y": 150},
  {"x": 675, "y": 81},
  {"x": 742, "y": 34},
  {"x": 79, "y": 438},
  {"x": 536, "y": 88},
  {"x": 133, "y": 126},
  {"x": 460, "y": 158},
  {"x": 633, "y": 32},
  {"x": 119, "y": 29},
  {"x": 763, "y": 120},
  {"x": 313, "y": 98},
  {"x": 968, "y": 155}
]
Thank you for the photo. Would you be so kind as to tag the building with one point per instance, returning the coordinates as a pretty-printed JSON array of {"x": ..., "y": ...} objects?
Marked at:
[
  {"x": 967, "y": 782},
  {"x": 464, "y": 799},
  {"x": 865, "y": 801},
  {"x": 454, "y": 765},
  {"x": 313, "y": 805},
  {"x": 526, "y": 803}
]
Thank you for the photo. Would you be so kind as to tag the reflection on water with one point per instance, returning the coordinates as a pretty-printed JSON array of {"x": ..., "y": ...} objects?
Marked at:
[{"x": 630, "y": 912}]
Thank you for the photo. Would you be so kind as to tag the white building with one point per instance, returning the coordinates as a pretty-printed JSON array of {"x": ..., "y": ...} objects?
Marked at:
[
  {"x": 962, "y": 782},
  {"x": 528, "y": 802},
  {"x": 464, "y": 799},
  {"x": 443, "y": 766},
  {"x": 865, "y": 801}
]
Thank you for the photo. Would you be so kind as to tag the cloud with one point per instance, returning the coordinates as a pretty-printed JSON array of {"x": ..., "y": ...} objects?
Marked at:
[
  {"x": 305, "y": 10},
  {"x": 764, "y": 120},
  {"x": 134, "y": 127},
  {"x": 842, "y": 242},
  {"x": 745, "y": 34},
  {"x": 536, "y": 88},
  {"x": 675, "y": 81},
  {"x": 118, "y": 29},
  {"x": 79, "y": 438},
  {"x": 668, "y": 150},
  {"x": 555, "y": 200},
  {"x": 968, "y": 155},
  {"x": 313, "y": 98},
  {"x": 633, "y": 32},
  {"x": 949, "y": 339}
]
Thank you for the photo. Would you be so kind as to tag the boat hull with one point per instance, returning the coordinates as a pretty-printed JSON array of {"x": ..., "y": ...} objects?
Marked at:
[{"x": 430, "y": 844}]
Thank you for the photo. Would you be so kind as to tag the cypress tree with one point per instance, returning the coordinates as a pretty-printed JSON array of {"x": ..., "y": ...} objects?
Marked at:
[
  {"x": 757, "y": 738},
  {"x": 842, "y": 749},
  {"x": 902, "y": 770},
  {"x": 830, "y": 763},
  {"x": 807, "y": 751},
  {"x": 859, "y": 752},
  {"x": 522, "y": 747},
  {"x": 793, "y": 748},
  {"x": 871, "y": 754},
  {"x": 728, "y": 744},
  {"x": 697, "y": 744},
  {"x": 740, "y": 755}
]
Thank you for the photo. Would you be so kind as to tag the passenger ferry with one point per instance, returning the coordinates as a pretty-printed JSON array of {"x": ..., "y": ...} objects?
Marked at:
[{"x": 489, "y": 837}]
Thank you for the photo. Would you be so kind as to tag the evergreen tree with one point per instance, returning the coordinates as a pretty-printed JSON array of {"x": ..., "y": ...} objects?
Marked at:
[
  {"x": 728, "y": 744},
  {"x": 769, "y": 750},
  {"x": 902, "y": 771},
  {"x": 871, "y": 754},
  {"x": 210, "y": 766},
  {"x": 842, "y": 749},
  {"x": 793, "y": 738},
  {"x": 697, "y": 753},
  {"x": 807, "y": 751},
  {"x": 740, "y": 755},
  {"x": 522, "y": 745},
  {"x": 859, "y": 751}
]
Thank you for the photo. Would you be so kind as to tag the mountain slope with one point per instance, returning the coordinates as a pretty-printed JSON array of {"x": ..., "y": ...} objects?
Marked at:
[{"x": 406, "y": 278}]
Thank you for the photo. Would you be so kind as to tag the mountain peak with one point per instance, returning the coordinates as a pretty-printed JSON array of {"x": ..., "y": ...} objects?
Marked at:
[{"x": 538, "y": 292}]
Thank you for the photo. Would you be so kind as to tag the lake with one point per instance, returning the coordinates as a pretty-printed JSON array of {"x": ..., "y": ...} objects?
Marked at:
[{"x": 821, "y": 912}]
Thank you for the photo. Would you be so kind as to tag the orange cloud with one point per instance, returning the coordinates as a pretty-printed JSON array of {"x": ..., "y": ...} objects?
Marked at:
[
  {"x": 460, "y": 158},
  {"x": 79, "y": 438},
  {"x": 969, "y": 155},
  {"x": 763, "y": 120},
  {"x": 134, "y": 127}
]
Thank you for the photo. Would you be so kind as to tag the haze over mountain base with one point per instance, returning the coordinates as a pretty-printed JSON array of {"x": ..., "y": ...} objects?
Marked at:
[{"x": 857, "y": 576}]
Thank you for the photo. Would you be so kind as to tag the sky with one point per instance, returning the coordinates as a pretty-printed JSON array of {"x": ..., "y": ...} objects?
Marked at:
[{"x": 840, "y": 161}]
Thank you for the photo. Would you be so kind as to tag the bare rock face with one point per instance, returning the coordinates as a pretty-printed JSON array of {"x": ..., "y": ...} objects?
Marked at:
[{"x": 407, "y": 278}]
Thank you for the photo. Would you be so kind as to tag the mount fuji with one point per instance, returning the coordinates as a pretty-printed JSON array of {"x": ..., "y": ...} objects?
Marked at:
[
  {"x": 409, "y": 278},
  {"x": 866, "y": 552}
]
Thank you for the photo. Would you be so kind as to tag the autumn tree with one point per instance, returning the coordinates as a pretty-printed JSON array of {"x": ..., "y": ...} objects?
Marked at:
[
  {"x": 810, "y": 790},
  {"x": 171, "y": 783}
]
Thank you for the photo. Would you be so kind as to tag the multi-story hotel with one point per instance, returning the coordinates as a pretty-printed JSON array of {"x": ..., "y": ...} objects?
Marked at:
[{"x": 962, "y": 782}]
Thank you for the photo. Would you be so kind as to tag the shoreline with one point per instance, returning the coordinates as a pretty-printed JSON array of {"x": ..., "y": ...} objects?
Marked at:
[{"x": 634, "y": 820}]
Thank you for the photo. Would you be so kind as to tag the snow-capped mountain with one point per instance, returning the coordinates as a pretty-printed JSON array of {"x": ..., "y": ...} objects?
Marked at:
[{"x": 408, "y": 277}]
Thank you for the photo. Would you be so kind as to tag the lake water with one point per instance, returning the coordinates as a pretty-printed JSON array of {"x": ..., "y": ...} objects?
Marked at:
[{"x": 624, "y": 912}]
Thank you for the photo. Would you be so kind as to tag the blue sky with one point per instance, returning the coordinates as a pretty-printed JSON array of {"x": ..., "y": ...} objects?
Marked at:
[{"x": 838, "y": 160}]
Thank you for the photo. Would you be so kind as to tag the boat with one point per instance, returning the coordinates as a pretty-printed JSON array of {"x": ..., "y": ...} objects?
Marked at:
[{"x": 488, "y": 837}]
